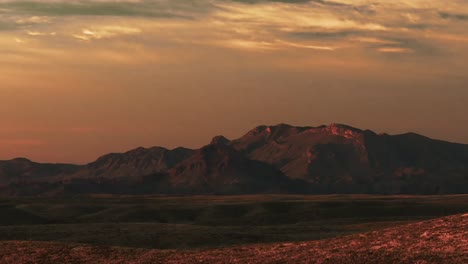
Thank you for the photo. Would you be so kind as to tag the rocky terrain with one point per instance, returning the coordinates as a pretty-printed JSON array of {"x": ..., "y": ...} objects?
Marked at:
[
  {"x": 268, "y": 159},
  {"x": 339, "y": 158},
  {"x": 137, "y": 162},
  {"x": 443, "y": 240}
]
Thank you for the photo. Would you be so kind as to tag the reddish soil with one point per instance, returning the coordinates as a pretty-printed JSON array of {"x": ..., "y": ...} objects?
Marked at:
[{"x": 443, "y": 240}]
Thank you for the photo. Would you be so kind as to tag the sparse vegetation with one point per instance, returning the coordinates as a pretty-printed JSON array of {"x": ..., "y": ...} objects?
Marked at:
[
  {"x": 443, "y": 240},
  {"x": 211, "y": 221}
]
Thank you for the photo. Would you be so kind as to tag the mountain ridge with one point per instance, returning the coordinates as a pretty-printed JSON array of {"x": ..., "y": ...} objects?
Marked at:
[{"x": 336, "y": 158}]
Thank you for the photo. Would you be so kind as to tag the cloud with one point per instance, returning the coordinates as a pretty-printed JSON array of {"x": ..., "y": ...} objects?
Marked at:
[
  {"x": 320, "y": 35},
  {"x": 455, "y": 16},
  {"x": 156, "y": 9},
  {"x": 312, "y": 47},
  {"x": 373, "y": 40},
  {"x": 322, "y": 2},
  {"x": 105, "y": 32},
  {"x": 382, "y": 41},
  {"x": 250, "y": 25},
  {"x": 272, "y": 46},
  {"x": 33, "y": 20},
  {"x": 394, "y": 50},
  {"x": 292, "y": 18},
  {"x": 15, "y": 21},
  {"x": 37, "y": 33}
]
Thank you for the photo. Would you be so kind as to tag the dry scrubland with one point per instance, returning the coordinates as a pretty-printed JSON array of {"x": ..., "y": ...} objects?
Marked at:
[
  {"x": 235, "y": 229},
  {"x": 443, "y": 240}
]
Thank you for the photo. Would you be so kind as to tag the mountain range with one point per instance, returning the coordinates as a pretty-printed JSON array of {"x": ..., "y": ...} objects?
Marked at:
[{"x": 268, "y": 159}]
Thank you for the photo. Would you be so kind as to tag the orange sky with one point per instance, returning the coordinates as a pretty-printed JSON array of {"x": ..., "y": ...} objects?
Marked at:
[{"x": 79, "y": 79}]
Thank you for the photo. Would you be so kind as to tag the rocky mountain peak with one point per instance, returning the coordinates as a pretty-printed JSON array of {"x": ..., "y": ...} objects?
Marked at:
[
  {"x": 220, "y": 140},
  {"x": 343, "y": 130}
]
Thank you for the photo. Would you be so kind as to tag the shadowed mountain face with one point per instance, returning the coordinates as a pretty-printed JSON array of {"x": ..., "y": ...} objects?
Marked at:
[
  {"x": 214, "y": 169},
  {"x": 268, "y": 159},
  {"x": 134, "y": 163},
  {"x": 219, "y": 168},
  {"x": 339, "y": 158}
]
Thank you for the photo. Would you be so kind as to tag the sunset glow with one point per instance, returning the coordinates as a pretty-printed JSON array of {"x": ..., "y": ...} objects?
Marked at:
[{"x": 80, "y": 78}]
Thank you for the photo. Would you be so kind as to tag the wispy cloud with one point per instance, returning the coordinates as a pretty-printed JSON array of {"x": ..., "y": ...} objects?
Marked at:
[
  {"x": 261, "y": 25},
  {"x": 37, "y": 33},
  {"x": 394, "y": 50},
  {"x": 33, "y": 20},
  {"x": 456, "y": 16},
  {"x": 322, "y": 2},
  {"x": 105, "y": 32},
  {"x": 271, "y": 46},
  {"x": 122, "y": 8}
]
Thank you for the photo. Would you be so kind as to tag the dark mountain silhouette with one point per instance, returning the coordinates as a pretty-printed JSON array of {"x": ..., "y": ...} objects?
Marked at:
[
  {"x": 219, "y": 168},
  {"x": 214, "y": 169},
  {"x": 22, "y": 169},
  {"x": 268, "y": 159},
  {"x": 137, "y": 162}
]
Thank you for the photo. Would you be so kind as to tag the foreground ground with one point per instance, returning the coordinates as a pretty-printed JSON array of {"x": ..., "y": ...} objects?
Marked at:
[
  {"x": 204, "y": 222},
  {"x": 443, "y": 240}
]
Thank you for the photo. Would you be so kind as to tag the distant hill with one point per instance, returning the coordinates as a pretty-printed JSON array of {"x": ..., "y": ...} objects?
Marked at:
[
  {"x": 22, "y": 169},
  {"x": 137, "y": 162},
  {"x": 268, "y": 159}
]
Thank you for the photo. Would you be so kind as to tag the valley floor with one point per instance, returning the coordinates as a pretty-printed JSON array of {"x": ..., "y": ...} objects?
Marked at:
[{"x": 442, "y": 240}]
